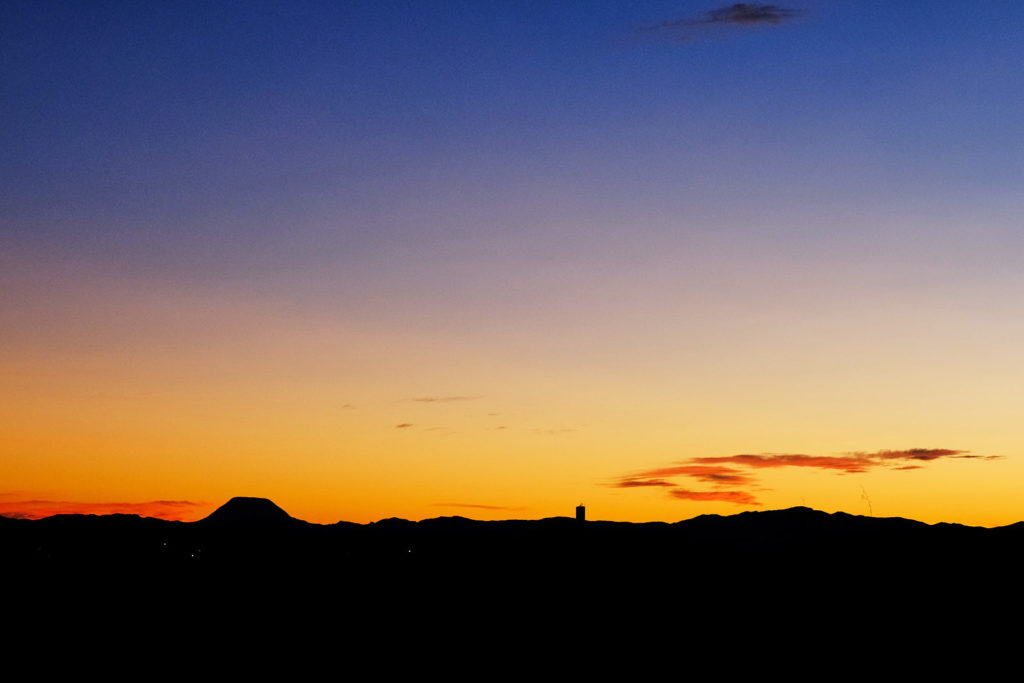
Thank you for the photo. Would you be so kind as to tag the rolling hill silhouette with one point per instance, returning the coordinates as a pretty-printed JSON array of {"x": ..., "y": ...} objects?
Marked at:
[
  {"x": 803, "y": 568},
  {"x": 257, "y": 533}
]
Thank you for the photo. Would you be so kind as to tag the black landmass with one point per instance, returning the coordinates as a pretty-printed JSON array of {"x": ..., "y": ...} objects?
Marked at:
[
  {"x": 256, "y": 534},
  {"x": 252, "y": 573}
]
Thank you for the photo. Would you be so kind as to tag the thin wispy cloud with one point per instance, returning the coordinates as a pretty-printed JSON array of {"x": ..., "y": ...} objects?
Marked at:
[
  {"x": 746, "y": 13},
  {"x": 720, "y": 476},
  {"x": 847, "y": 464},
  {"x": 403, "y": 425},
  {"x": 738, "y": 15},
  {"x": 476, "y": 506},
  {"x": 176, "y": 510},
  {"x": 639, "y": 483},
  {"x": 911, "y": 454},
  {"x": 924, "y": 454},
  {"x": 726, "y": 474},
  {"x": 738, "y": 497},
  {"x": 979, "y": 457},
  {"x": 442, "y": 399}
]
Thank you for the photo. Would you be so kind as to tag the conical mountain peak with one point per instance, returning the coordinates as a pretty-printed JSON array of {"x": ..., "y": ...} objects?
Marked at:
[{"x": 248, "y": 510}]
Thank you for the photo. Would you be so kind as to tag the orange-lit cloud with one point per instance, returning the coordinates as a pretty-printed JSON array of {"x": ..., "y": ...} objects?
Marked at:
[
  {"x": 717, "y": 475},
  {"x": 721, "y": 472},
  {"x": 847, "y": 463},
  {"x": 739, "y": 497},
  {"x": 979, "y": 457},
  {"x": 637, "y": 483},
  {"x": 177, "y": 510},
  {"x": 913, "y": 454}
]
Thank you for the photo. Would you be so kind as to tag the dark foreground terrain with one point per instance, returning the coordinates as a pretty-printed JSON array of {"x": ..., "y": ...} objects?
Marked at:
[
  {"x": 254, "y": 537},
  {"x": 795, "y": 574}
]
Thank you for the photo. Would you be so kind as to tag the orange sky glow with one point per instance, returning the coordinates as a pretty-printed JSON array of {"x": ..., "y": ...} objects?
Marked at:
[{"x": 376, "y": 260}]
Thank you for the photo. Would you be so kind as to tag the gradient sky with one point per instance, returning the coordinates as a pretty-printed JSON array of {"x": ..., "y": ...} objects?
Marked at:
[{"x": 375, "y": 259}]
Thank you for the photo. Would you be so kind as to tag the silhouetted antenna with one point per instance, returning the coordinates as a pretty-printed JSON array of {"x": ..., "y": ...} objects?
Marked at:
[{"x": 864, "y": 496}]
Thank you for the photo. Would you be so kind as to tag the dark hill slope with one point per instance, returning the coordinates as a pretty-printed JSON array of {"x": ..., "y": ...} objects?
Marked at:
[
  {"x": 250, "y": 512},
  {"x": 253, "y": 536}
]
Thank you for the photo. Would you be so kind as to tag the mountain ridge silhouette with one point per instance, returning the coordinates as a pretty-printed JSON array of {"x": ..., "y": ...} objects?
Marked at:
[
  {"x": 253, "y": 510},
  {"x": 716, "y": 569}
]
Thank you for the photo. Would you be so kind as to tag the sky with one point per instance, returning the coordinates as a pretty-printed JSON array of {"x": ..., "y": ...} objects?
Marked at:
[{"x": 495, "y": 259}]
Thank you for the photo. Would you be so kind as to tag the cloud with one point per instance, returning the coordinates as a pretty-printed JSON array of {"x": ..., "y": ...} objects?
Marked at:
[
  {"x": 442, "y": 399},
  {"x": 849, "y": 464},
  {"x": 980, "y": 457},
  {"x": 721, "y": 476},
  {"x": 912, "y": 454},
  {"x": 739, "y": 497},
  {"x": 637, "y": 483},
  {"x": 742, "y": 14},
  {"x": 178, "y": 510},
  {"x": 725, "y": 473},
  {"x": 745, "y": 13},
  {"x": 403, "y": 425},
  {"x": 476, "y": 506}
]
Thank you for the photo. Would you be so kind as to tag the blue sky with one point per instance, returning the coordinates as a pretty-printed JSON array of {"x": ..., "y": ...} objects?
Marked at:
[{"x": 170, "y": 130}]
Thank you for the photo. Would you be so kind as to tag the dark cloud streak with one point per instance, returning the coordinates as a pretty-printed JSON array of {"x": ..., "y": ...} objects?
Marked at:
[
  {"x": 442, "y": 399},
  {"x": 742, "y": 14},
  {"x": 476, "y": 506},
  {"x": 746, "y": 13},
  {"x": 639, "y": 483}
]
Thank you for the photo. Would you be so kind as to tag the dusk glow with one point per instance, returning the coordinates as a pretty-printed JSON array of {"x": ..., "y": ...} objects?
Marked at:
[{"x": 493, "y": 259}]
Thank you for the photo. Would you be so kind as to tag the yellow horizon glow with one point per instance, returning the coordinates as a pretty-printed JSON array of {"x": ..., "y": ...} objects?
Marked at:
[{"x": 122, "y": 394}]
